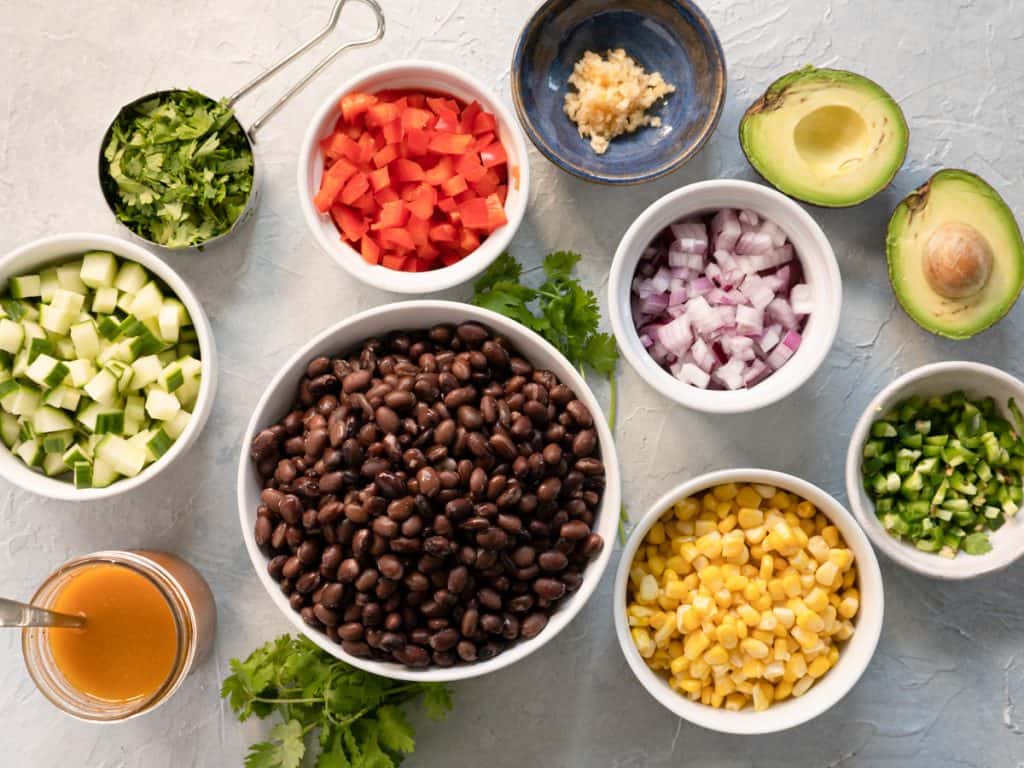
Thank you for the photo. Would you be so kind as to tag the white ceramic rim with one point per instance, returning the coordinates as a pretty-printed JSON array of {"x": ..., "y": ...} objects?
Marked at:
[
  {"x": 411, "y": 73},
  {"x": 528, "y": 343},
  {"x": 821, "y": 272},
  {"x": 23, "y": 258},
  {"x": 830, "y": 689},
  {"x": 902, "y": 552}
]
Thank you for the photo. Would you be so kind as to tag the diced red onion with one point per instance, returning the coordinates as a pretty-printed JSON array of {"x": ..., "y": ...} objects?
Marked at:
[
  {"x": 749, "y": 320},
  {"x": 748, "y": 217},
  {"x": 771, "y": 336},
  {"x": 677, "y": 336},
  {"x": 702, "y": 355},
  {"x": 757, "y": 291},
  {"x": 800, "y": 299},
  {"x": 754, "y": 242},
  {"x": 725, "y": 230},
  {"x": 691, "y": 374},
  {"x": 780, "y": 311}
]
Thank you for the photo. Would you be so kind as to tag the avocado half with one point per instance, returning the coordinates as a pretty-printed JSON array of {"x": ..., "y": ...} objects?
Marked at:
[
  {"x": 825, "y": 136},
  {"x": 956, "y": 257}
]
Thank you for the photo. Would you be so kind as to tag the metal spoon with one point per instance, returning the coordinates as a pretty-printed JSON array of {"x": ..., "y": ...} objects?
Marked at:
[
  {"x": 109, "y": 188},
  {"x": 15, "y": 614}
]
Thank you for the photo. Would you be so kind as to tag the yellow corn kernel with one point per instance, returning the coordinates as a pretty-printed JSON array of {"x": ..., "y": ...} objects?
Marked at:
[
  {"x": 700, "y": 670},
  {"x": 726, "y": 635},
  {"x": 691, "y": 581},
  {"x": 643, "y": 642},
  {"x": 727, "y": 523},
  {"x": 702, "y": 527},
  {"x": 745, "y": 687},
  {"x": 832, "y": 656},
  {"x": 710, "y": 545},
  {"x": 806, "y": 510},
  {"x": 733, "y": 543},
  {"x": 676, "y": 590},
  {"x": 657, "y": 534},
  {"x": 688, "y": 551},
  {"x": 678, "y": 565},
  {"x": 763, "y": 695},
  {"x": 841, "y": 557},
  {"x": 796, "y": 668},
  {"x": 818, "y": 667},
  {"x": 708, "y": 502},
  {"x": 831, "y": 535},
  {"x": 687, "y": 509},
  {"x": 800, "y": 688},
  {"x": 816, "y": 600},
  {"x": 750, "y": 615},
  {"x": 648, "y": 589},
  {"x": 850, "y": 578},
  {"x": 791, "y": 584},
  {"x": 735, "y": 702},
  {"x": 711, "y": 577},
  {"x": 780, "y": 651},
  {"x": 806, "y": 638},
  {"x": 807, "y": 526},
  {"x": 723, "y": 597},
  {"x": 785, "y": 616},
  {"x": 690, "y": 685},
  {"x": 802, "y": 562},
  {"x": 765, "y": 636},
  {"x": 716, "y": 699},
  {"x": 752, "y": 668},
  {"x": 845, "y": 631},
  {"x": 768, "y": 622},
  {"x": 704, "y": 604},
  {"x": 656, "y": 563},
  {"x": 736, "y": 582},
  {"x": 850, "y": 605},
  {"x": 755, "y": 535},
  {"x": 724, "y": 686},
  {"x": 679, "y": 665},
  {"x": 725, "y": 492},
  {"x": 818, "y": 548},
  {"x": 688, "y": 619},
  {"x": 780, "y": 500},
  {"x": 695, "y": 645},
  {"x": 664, "y": 634},
  {"x": 826, "y": 573},
  {"x": 783, "y": 690},
  {"x": 810, "y": 621},
  {"x": 716, "y": 656},
  {"x": 658, "y": 620},
  {"x": 777, "y": 590},
  {"x": 754, "y": 648},
  {"x": 748, "y": 497}
]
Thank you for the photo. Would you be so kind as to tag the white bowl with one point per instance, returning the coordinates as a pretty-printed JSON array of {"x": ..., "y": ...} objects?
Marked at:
[
  {"x": 432, "y": 77},
  {"x": 821, "y": 273},
  {"x": 350, "y": 333},
  {"x": 60, "y": 248},
  {"x": 855, "y": 653},
  {"x": 976, "y": 380}
]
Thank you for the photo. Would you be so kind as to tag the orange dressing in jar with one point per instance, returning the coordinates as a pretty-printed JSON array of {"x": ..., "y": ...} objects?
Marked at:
[{"x": 129, "y": 644}]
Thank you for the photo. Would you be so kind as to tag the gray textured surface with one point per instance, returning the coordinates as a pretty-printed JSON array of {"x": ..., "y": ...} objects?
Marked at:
[{"x": 947, "y": 684}]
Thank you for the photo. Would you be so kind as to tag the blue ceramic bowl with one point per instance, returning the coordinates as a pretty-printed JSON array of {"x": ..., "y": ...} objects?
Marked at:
[{"x": 672, "y": 37}]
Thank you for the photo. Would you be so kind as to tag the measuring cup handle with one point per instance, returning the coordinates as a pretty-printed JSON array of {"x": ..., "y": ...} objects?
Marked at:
[{"x": 331, "y": 24}]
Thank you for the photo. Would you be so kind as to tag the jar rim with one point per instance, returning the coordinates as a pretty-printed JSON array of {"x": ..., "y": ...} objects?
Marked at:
[{"x": 47, "y": 676}]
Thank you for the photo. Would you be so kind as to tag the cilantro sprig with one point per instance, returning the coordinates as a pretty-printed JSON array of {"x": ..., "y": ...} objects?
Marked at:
[
  {"x": 357, "y": 717},
  {"x": 561, "y": 310},
  {"x": 179, "y": 168}
]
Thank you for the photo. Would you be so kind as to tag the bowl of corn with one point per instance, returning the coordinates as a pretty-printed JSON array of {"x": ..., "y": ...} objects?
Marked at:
[{"x": 748, "y": 601}]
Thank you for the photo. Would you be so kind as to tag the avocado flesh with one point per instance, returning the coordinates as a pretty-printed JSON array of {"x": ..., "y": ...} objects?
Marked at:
[
  {"x": 955, "y": 203},
  {"x": 824, "y": 136}
]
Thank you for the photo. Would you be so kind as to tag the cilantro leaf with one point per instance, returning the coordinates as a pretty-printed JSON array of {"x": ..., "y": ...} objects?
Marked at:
[
  {"x": 437, "y": 699},
  {"x": 284, "y": 749},
  {"x": 395, "y": 732},
  {"x": 502, "y": 269},
  {"x": 560, "y": 264},
  {"x": 601, "y": 353}
]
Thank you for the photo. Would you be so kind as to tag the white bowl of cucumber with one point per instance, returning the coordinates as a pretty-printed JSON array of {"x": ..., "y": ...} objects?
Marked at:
[{"x": 107, "y": 366}]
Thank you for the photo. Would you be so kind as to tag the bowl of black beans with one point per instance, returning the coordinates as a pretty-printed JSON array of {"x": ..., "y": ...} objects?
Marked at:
[{"x": 429, "y": 491}]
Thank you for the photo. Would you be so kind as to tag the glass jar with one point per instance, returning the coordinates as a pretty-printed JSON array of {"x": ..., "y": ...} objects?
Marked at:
[{"x": 191, "y": 604}]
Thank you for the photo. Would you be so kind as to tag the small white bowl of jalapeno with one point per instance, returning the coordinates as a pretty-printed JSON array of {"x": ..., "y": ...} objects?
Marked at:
[{"x": 934, "y": 470}]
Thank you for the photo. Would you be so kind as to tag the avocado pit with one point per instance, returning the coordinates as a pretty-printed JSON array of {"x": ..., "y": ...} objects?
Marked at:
[{"x": 957, "y": 260}]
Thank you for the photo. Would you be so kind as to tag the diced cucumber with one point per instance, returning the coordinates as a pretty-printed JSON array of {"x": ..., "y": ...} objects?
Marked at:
[
  {"x": 50, "y": 419},
  {"x": 58, "y": 442},
  {"x": 146, "y": 343},
  {"x": 103, "y": 474},
  {"x": 47, "y": 371},
  {"x": 131, "y": 427},
  {"x": 54, "y": 465},
  {"x": 26, "y": 431},
  {"x": 87, "y": 413},
  {"x": 63, "y": 397},
  {"x": 124, "y": 457},
  {"x": 25, "y": 286},
  {"x": 11, "y": 336},
  {"x": 146, "y": 370},
  {"x": 159, "y": 443},
  {"x": 147, "y": 301},
  {"x": 187, "y": 349},
  {"x": 86, "y": 339},
  {"x": 56, "y": 319},
  {"x": 135, "y": 408},
  {"x": 37, "y": 347},
  {"x": 99, "y": 268},
  {"x": 68, "y": 277},
  {"x": 64, "y": 349},
  {"x": 124, "y": 302},
  {"x": 80, "y": 372},
  {"x": 102, "y": 387},
  {"x": 172, "y": 377},
  {"x": 9, "y": 428},
  {"x": 69, "y": 301},
  {"x": 172, "y": 317},
  {"x": 109, "y": 326},
  {"x": 31, "y": 452},
  {"x": 48, "y": 284},
  {"x": 130, "y": 277},
  {"x": 177, "y": 425},
  {"x": 83, "y": 474},
  {"x": 104, "y": 301},
  {"x": 161, "y": 405},
  {"x": 109, "y": 422},
  {"x": 20, "y": 364},
  {"x": 23, "y": 401},
  {"x": 76, "y": 453}
]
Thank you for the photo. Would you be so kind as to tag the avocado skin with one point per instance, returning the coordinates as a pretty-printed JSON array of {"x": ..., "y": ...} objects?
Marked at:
[
  {"x": 904, "y": 214},
  {"x": 774, "y": 93}
]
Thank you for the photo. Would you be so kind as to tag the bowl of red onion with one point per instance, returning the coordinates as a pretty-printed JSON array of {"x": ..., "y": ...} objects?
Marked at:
[{"x": 725, "y": 296}]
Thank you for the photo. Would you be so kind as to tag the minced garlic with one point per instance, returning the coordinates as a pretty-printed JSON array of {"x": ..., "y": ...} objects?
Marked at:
[{"x": 611, "y": 97}]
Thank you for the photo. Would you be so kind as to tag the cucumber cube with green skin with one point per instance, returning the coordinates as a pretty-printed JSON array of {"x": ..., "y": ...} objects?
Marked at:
[
  {"x": 109, "y": 326},
  {"x": 104, "y": 301},
  {"x": 56, "y": 319},
  {"x": 47, "y": 371},
  {"x": 80, "y": 372},
  {"x": 7, "y": 386},
  {"x": 172, "y": 317},
  {"x": 31, "y": 452},
  {"x": 125, "y": 458},
  {"x": 48, "y": 284},
  {"x": 58, "y": 442},
  {"x": 6, "y": 363},
  {"x": 63, "y": 397},
  {"x": 82, "y": 471},
  {"x": 69, "y": 301},
  {"x": 109, "y": 422},
  {"x": 23, "y": 401},
  {"x": 77, "y": 452},
  {"x": 11, "y": 336},
  {"x": 135, "y": 408},
  {"x": 49, "y": 419},
  {"x": 172, "y": 377},
  {"x": 189, "y": 334},
  {"x": 25, "y": 286},
  {"x": 159, "y": 443},
  {"x": 131, "y": 326},
  {"x": 20, "y": 364},
  {"x": 146, "y": 343},
  {"x": 124, "y": 302},
  {"x": 102, "y": 387},
  {"x": 86, "y": 339},
  {"x": 26, "y": 431},
  {"x": 167, "y": 357},
  {"x": 68, "y": 277},
  {"x": 9, "y": 428},
  {"x": 177, "y": 425},
  {"x": 132, "y": 427},
  {"x": 161, "y": 405},
  {"x": 38, "y": 347},
  {"x": 147, "y": 301},
  {"x": 99, "y": 269},
  {"x": 130, "y": 277},
  {"x": 87, "y": 413},
  {"x": 103, "y": 474},
  {"x": 146, "y": 370},
  {"x": 64, "y": 349},
  {"x": 188, "y": 349}
]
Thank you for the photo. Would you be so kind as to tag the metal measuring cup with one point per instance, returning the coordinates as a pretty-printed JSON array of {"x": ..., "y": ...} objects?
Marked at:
[{"x": 109, "y": 187}]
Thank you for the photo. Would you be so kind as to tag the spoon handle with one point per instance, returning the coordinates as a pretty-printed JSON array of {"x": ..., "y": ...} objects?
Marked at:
[{"x": 15, "y": 614}]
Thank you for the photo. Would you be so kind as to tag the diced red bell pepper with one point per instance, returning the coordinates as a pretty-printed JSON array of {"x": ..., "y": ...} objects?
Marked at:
[
  {"x": 468, "y": 118},
  {"x": 416, "y": 141},
  {"x": 440, "y": 173},
  {"x": 381, "y": 113},
  {"x": 354, "y": 104},
  {"x": 366, "y": 148},
  {"x": 340, "y": 145},
  {"x": 448, "y": 205},
  {"x": 367, "y": 205},
  {"x": 438, "y": 103},
  {"x": 488, "y": 184},
  {"x": 493, "y": 155},
  {"x": 426, "y": 254},
  {"x": 468, "y": 241},
  {"x": 502, "y": 193},
  {"x": 423, "y": 201},
  {"x": 419, "y": 230},
  {"x": 474, "y": 213},
  {"x": 332, "y": 184},
  {"x": 394, "y": 261},
  {"x": 352, "y": 223},
  {"x": 485, "y": 122},
  {"x": 405, "y": 170},
  {"x": 469, "y": 167},
  {"x": 392, "y": 214},
  {"x": 396, "y": 238},
  {"x": 443, "y": 233},
  {"x": 369, "y": 249},
  {"x": 495, "y": 213},
  {"x": 386, "y": 195},
  {"x": 355, "y": 188},
  {"x": 393, "y": 132},
  {"x": 454, "y": 186},
  {"x": 380, "y": 178},
  {"x": 447, "y": 121},
  {"x": 450, "y": 143},
  {"x": 482, "y": 141},
  {"x": 385, "y": 156}
]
